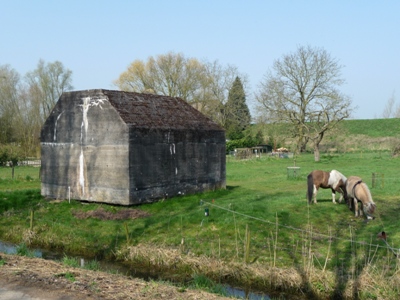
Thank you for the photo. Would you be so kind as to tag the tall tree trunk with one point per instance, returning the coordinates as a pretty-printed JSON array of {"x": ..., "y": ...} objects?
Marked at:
[
  {"x": 316, "y": 152},
  {"x": 317, "y": 140}
]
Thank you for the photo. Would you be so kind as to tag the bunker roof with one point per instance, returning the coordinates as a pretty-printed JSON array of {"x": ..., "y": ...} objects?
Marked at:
[{"x": 154, "y": 111}]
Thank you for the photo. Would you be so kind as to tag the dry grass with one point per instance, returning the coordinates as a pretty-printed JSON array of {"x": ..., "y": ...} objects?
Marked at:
[
  {"x": 298, "y": 281},
  {"x": 172, "y": 261},
  {"x": 39, "y": 277}
]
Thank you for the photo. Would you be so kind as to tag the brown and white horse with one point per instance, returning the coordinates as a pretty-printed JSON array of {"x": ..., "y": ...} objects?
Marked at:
[
  {"x": 358, "y": 191},
  {"x": 333, "y": 180}
]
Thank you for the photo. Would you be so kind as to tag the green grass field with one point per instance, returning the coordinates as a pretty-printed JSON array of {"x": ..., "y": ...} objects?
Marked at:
[
  {"x": 259, "y": 194},
  {"x": 262, "y": 219}
]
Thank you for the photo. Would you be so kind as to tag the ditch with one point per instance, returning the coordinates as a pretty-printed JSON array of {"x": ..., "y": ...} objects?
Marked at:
[{"x": 120, "y": 268}]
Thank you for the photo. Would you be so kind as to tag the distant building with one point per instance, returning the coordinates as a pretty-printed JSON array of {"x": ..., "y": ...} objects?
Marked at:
[{"x": 129, "y": 148}]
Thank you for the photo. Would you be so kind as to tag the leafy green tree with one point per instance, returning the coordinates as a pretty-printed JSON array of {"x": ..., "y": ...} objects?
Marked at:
[
  {"x": 10, "y": 155},
  {"x": 237, "y": 113}
]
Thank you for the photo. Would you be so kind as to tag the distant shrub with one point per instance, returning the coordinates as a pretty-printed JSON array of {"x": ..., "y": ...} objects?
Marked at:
[
  {"x": 246, "y": 142},
  {"x": 396, "y": 150},
  {"x": 10, "y": 154}
]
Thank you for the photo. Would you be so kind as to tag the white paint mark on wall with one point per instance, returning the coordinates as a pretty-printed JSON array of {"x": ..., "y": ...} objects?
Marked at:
[
  {"x": 58, "y": 144},
  {"x": 172, "y": 148},
  {"x": 55, "y": 127},
  {"x": 87, "y": 103},
  {"x": 81, "y": 172}
]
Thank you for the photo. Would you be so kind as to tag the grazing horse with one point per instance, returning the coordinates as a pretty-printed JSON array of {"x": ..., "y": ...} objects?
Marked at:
[
  {"x": 358, "y": 191},
  {"x": 333, "y": 180}
]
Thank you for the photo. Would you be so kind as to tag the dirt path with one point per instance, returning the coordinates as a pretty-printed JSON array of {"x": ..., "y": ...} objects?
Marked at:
[{"x": 26, "y": 278}]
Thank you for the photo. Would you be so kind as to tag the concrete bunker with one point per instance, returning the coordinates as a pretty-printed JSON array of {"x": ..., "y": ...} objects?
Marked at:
[{"x": 129, "y": 148}]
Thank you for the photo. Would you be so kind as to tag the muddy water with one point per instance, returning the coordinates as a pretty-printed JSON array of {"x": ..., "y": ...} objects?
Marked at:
[{"x": 115, "y": 267}]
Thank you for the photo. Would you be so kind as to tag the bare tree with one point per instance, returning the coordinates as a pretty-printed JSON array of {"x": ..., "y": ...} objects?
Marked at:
[
  {"x": 303, "y": 90},
  {"x": 46, "y": 84},
  {"x": 171, "y": 74},
  {"x": 214, "y": 91},
  {"x": 24, "y": 107},
  {"x": 10, "y": 113},
  {"x": 397, "y": 111},
  {"x": 390, "y": 111}
]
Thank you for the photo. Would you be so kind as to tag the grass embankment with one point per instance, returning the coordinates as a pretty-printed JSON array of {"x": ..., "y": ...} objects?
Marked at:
[
  {"x": 259, "y": 232},
  {"x": 373, "y": 128}
]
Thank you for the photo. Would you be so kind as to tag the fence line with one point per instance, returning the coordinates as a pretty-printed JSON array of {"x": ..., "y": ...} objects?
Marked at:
[
  {"x": 34, "y": 163},
  {"x": 302, "y": 230}
]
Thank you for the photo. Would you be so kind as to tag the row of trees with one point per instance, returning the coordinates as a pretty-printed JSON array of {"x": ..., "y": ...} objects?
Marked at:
[
  {"x": 26, "y": 102},
  {"x": 302, "y": 90}
]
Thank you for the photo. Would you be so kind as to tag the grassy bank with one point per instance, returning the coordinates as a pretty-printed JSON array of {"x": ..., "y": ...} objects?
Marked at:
[{"x": 260, "y": 230}]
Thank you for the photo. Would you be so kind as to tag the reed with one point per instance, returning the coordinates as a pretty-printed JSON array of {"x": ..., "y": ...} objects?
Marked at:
[
  {"x": 247, "y": 240},
  {"x": 128, "y": 240},
  {"x": 31, "y": 219}
]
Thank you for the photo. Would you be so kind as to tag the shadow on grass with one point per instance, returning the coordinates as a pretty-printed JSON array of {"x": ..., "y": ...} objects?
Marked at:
[
  {"x": 231, "y": 187},
  {"x": 348, "y": 260}
]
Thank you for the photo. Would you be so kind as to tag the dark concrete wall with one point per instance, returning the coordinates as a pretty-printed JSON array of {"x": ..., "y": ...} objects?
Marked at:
[
  {"x": 84, "y": 146},
  {"x": 166, "y": 163}
]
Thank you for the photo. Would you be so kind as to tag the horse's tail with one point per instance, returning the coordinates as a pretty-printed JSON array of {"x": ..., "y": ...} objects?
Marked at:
[{"x": 310, "y": 187}]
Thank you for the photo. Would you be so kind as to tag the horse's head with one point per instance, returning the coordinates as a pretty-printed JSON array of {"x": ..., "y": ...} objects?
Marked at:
[{"x": 369, "y": 208}]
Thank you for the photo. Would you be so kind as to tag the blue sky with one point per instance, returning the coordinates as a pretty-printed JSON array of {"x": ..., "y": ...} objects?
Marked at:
[{"x": 97, "y": 40}]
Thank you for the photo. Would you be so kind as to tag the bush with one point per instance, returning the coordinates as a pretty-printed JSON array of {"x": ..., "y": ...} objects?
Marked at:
[
  {"x": 396, "y": 150},
  {"x": 10, "y": 154},
  {"x": 242, "y": 143},
  {"x": 246, "y": 142}
]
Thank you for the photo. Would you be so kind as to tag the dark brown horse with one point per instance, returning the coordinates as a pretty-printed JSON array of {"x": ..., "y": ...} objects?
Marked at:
[
  {"x": 333, "y": 180},
  {"x": 358, "y": 191}
]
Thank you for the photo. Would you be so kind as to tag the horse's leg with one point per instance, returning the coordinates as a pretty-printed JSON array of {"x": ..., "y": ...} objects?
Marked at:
[
  {"x": 349, "y": 202},
  {"x": 340, "y": 191},
  {"x": 333, "y": 196},
  {"x": 315, "y": 192},
  {"x": 361, "y": 209},
  {"x": 355, "y": 207},
  {"x": 341, "y": 196},
  {"x": 344, "y": 194}
]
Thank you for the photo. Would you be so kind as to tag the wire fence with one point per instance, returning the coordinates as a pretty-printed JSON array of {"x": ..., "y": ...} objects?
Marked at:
[
  {"x": 31, "y": 163},
  {"x": 330, "y": 237}
]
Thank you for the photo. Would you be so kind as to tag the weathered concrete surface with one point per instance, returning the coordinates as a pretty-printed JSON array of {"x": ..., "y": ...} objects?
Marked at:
[
  {"x": 128, "y": 148},
  {"x": 85, "y": 151},
  {"x": 181, "y": 162}
]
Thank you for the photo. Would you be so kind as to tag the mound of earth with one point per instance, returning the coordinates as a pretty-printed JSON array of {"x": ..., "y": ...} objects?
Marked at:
[{"x": 102, "y": 214}]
